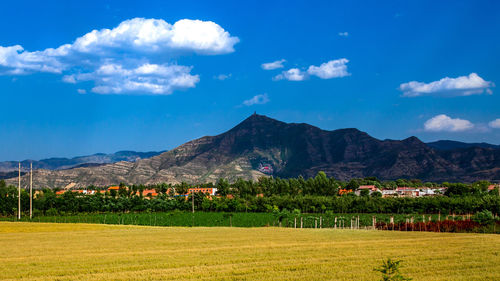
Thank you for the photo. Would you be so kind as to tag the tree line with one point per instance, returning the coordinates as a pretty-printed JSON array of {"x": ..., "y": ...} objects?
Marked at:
[{"x": 318, "y": 194}]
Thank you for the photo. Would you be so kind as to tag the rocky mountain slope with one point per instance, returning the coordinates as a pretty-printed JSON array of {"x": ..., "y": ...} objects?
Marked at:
[
  {"x": 67, "y": 163},
  {"x": 291, "y": 150}
]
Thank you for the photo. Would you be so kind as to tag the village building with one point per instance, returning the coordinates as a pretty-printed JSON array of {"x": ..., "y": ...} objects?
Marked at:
[{"x": 370, "y": 188}]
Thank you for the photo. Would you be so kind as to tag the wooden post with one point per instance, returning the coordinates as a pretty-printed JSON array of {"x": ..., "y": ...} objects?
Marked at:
[
  {"x": 392, "y": 222},
  {"x": 19, "y": 195},
  {"x": 31, "y": 190},
  {"x": 335, "y": 223},
  {"x": 374, "y": 222},
  {"x": 315, "y": 222},
  {"x": 295, "y": 223},
  {"x": 358, "y": 222},
  {"x": 301, "y": 222},
  {"x": 320, "y": 222}
]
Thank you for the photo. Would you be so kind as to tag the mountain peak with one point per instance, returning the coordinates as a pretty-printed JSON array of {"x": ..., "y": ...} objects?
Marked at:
[{"x": 257, "y": 120}]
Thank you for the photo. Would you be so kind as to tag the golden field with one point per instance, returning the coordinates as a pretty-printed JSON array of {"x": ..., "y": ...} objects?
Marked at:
[{"x": 44, "y": 251}]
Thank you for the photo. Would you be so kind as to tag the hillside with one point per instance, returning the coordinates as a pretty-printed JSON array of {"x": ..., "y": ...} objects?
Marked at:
[
  {"x": 80, "y": 161},
  {"x": 291, "y": 150}
]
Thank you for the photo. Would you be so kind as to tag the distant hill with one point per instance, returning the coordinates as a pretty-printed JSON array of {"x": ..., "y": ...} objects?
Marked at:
[
  {"x": 451, "y": 145},
  {"x": 81, "y": 161},
  {"x": 8, "y": 175},
  {"x": 289, "y": 150}
]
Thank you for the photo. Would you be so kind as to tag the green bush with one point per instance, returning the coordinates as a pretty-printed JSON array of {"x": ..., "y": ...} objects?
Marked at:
[{"x": 484, "y": 217}]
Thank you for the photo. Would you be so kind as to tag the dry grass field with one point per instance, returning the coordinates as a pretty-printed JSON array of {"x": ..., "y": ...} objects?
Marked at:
[{"x": 43, "y": 251}]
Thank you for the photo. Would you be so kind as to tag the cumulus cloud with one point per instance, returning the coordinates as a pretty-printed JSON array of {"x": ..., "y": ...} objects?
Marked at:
[
  {"x": 460, "y": 86},
  {"x": 344, "y": 34},
  {"x": 258, "y": 99},
  {"x": 444, "y": 123},
  {"x": 273, "y": 65},
  {"x": 293, "y": 74},
  {"x": 495, "y": 124},
  {"x": 135, "y": 56},
  {"x": 327, "y": 70},
  {"x": 150, "y": 78},
  {"x": 331, "y": 69}
]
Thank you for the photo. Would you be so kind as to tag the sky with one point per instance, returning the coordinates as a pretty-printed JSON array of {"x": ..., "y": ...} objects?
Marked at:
[{"x": 78, "y": 78}]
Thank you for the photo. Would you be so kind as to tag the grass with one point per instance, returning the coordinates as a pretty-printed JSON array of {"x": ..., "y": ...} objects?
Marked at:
[{"x": 48, "y": 251}]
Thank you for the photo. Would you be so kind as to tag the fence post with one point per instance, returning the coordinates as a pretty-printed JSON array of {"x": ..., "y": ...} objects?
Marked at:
[
  {"x": 301, "y": 222},
  {"x": 335, "y": 223},
  {"x": 373, "y": 222},
  {"x": 320, "y": 222},
  {"x": 295, "y": 223},
  {"x": 315, "y": 222}
]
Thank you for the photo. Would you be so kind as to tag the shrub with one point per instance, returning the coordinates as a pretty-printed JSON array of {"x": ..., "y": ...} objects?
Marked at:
[
  {"x": 484, "y": 217},
  {"x": 390, "y": 271}
]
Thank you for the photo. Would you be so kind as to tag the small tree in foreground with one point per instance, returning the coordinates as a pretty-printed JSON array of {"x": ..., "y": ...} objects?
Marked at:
[{"x": 390, "y": 271}]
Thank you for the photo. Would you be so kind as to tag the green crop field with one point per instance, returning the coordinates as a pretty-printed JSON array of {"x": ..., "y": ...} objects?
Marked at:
[
  {"x": 226, "y": 219},
  {"x": 48, "y": 251}
]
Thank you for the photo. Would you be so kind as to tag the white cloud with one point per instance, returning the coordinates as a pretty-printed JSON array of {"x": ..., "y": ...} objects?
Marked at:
[
  {"x": 445, "y": 123},
  {"x": 273, "y": 65},
  {"x": 258, "y": 99},
  {"x": 344, "y": 34},
  {"x": 331, "y": 69},
  {"x": 460, "y": 86},
  {"x": 69, "y": 79},
  {"x": 223, "y": 77},
  {"x": 327, "y": 70},
  {"x": 134, "y": 56},
  {"x": 495, "y": 123},
  {"x": 81, "y": 91},
  {"x": 293, "y": 74},
  {"x": 150, "y": 78}
]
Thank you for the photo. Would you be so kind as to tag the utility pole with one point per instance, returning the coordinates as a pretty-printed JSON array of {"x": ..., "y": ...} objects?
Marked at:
[
  {"x": 19, "y": 194},
  {"x": 192, "y": 200},
  {"x": 31, "y": 190}
]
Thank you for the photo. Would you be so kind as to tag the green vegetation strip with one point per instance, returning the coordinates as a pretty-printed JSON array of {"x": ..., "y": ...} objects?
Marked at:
[{"x": 211, "y": 219}]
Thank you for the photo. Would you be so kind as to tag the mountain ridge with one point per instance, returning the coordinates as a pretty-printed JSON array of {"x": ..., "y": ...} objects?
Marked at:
[
  {"x": 291, "y": 149},
  {"x": 59, "y": 163}
]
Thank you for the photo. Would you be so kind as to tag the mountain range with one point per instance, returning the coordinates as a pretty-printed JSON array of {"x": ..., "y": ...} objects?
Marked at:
[
  {"x": 7, "y": 168},
  {"x": 289, "y": 150}
]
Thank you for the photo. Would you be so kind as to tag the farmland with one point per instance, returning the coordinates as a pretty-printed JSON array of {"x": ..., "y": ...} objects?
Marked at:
[{"x": 48, "y": 251}]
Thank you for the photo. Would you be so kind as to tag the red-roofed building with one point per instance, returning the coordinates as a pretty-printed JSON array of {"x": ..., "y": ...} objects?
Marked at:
[
  {"x": 370, "y": 188},
  {"x": 209, "y": 190}
]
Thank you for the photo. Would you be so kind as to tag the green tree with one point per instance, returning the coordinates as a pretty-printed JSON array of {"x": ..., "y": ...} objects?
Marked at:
[{"x": 222, "y": 186}]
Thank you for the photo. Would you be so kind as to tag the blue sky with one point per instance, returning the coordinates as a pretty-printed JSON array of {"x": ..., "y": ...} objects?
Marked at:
[{"x": 148, "y": 79}]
